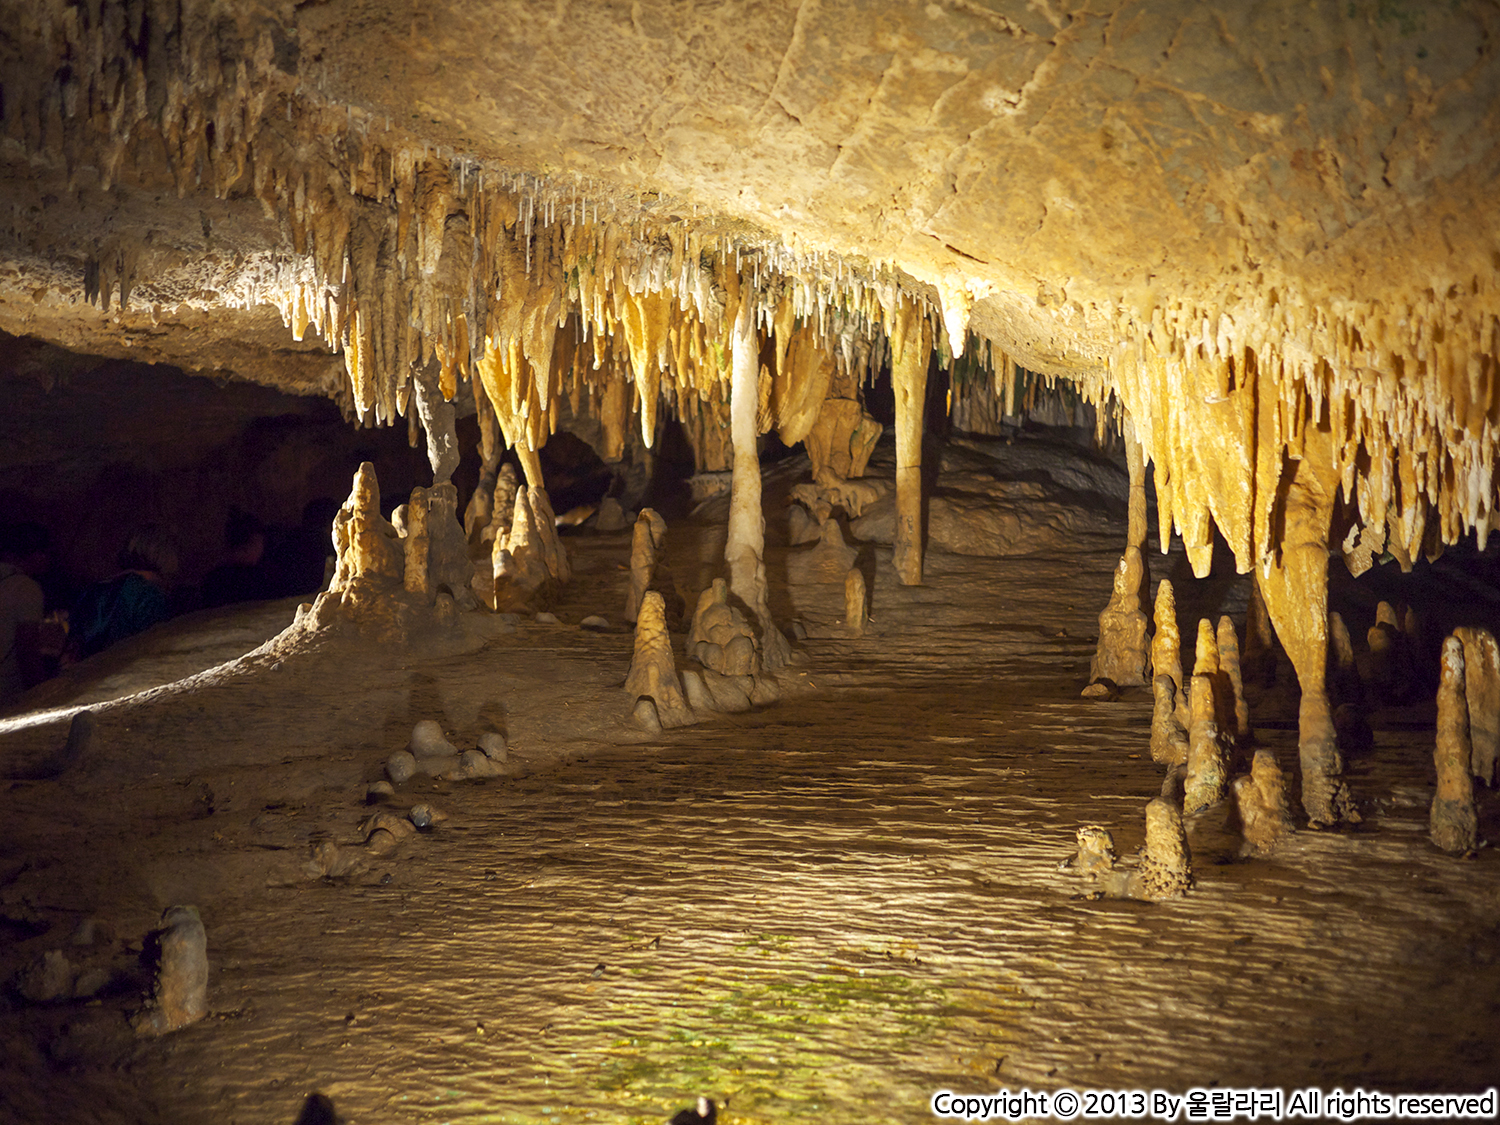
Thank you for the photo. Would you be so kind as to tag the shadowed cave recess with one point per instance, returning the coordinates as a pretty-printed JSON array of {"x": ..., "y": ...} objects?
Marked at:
[{"x": 874, "y": 549}]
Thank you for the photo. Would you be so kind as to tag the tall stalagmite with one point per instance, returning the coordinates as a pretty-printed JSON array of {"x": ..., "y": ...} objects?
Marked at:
[
  {"x": 1453, "y": 824},
  {"x": 1123, "y": 654},
  {"x": 1166, "y": 648}
]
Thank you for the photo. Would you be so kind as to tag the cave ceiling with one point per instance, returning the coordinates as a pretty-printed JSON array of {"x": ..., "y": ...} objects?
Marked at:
[{"x": 1268, "y": 231}]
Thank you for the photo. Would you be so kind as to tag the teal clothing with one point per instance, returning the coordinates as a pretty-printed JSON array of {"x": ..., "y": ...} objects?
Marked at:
[{"x": 108, "y": 612}]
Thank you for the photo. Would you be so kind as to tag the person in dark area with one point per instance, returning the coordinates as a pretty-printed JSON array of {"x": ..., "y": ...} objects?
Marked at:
[
  {"x": 24, "y": 554},
  {"x": 128, "y": 603},
  {"x": 297, "y": 563},
  {"x": 241, "y": 577}
]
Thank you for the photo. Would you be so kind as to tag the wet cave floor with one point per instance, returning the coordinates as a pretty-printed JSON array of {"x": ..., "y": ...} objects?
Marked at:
[{"x": 826, "y": 909}]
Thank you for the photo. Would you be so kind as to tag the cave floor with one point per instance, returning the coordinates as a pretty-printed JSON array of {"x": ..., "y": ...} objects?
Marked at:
[{"x": 825, "y": 909}]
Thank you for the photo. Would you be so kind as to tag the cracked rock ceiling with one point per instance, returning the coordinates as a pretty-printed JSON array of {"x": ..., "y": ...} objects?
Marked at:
[{"x": 1267, "y": 231}]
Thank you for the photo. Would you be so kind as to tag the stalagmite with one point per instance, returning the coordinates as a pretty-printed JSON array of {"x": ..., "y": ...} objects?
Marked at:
[
  {"x": 502, "y": 505},
  {"x": 1343, "y": 674},
  {"x": 653, "y": 671},
  {"x": 448, "y": 567},
  {"x": 1169, "y": 739},
  {"x": 721, "y": 639},
  {"x": 1261, "y": 798},
  {"x": 481, "y": 507},
  {"x": 1206, "y": 767},
  {"x": 1258, "y": 661},
  {"x": 854, "y": 601},
  {"x": 744, "y": 549},
  {"x": 1382, "y": 662},
  {"x": 181, "y": 992},
  {"x": 1296, "y": 593},
  {"x": 522, "y": 578},
  {"x": 554, "y": 553},
  {"x": 367, "y": 584},
  {"x": 1482, "y": 693},
  {"x": 1096, "y": 851},
  {"x": 910, "y": 348},
  {"x": 1229, "y": 668},
  {"x": 1166, "y": 647},
  {"x": 647, "y": 540},
  {"x": 1121, "y": 656},
  {"x": 415, "y": 544},
  {"x": 1166, "y": 870},
  {"x": 1454, "y": 825}
]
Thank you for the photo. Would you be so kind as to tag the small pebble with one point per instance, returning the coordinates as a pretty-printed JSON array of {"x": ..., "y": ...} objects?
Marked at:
[
  {"x": 545, "y": 618},
  {"x": 594, "y": 621},
  {"x": 493, "y": 743},
  {"x": 421, "y": 816},
  {"x": 378, "y": 790}
]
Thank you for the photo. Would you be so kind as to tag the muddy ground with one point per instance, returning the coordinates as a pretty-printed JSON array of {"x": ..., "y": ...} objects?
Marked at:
[{"x": 824, "y": 909}]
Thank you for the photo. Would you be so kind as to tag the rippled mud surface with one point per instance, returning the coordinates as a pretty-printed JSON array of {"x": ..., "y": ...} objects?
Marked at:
[{"x": 824, "y": 910}]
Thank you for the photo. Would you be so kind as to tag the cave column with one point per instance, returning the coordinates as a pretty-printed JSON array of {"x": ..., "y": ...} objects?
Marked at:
[
  {"x": 1295, "y": 588},
  {"x": 744, "y": 549},
  {"x": 909, "y": 356}
]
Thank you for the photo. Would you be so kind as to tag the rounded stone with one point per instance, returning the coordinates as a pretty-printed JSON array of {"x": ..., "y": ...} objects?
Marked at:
[
  {"x": 401, "y": 766},
  {"x": 427, "y": 740}
]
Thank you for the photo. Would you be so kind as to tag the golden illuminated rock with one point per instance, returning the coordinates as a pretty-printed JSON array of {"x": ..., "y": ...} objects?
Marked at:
[
  {"x": 1169, "y": 738},
  {"x": 1260, "y": 797},
  {"x": 1166, "y": 867},
  {"x": 841, "y": 441},
  {"x": 1121, "y": 655},
  {"x": 1207, "y": 770},
  {"x": 1166, "y": 648},
  {"x": 368, "y": 549}
]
